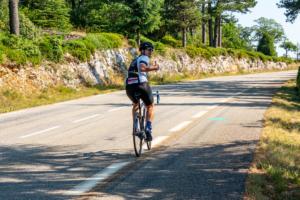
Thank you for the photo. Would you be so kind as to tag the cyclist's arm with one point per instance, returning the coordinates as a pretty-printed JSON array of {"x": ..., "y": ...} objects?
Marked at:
[{"x": 144, "y": 67}]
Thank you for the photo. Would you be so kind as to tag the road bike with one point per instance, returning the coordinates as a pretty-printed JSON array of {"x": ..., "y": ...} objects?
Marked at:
[{"x": 139, "y": 125}]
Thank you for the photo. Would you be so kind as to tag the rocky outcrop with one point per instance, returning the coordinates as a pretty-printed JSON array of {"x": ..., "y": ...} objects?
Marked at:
[{"x": 109, "y": 67}]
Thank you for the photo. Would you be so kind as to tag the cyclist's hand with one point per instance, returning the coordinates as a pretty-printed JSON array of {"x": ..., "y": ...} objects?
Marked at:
[{"x": 156, "y": 65}]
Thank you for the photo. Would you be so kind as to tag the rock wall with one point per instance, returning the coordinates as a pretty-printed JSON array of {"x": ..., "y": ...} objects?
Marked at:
[{"x": 109, "y": 67}]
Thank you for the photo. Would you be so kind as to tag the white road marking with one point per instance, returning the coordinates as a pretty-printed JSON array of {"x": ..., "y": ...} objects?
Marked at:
[
  {"x": 157, "y": 140},
  {"x": 86, "y": 118},
  {"x": 212, "y": 107},
  {"x": 39, "y": 132},
  {"x": 180, "y": 126},
  {"x": 96, "y": 179},
  {"x": 199, "y": 114},
  {"x": 224, "y": 100},
  {"x": 115, "y": 109}
]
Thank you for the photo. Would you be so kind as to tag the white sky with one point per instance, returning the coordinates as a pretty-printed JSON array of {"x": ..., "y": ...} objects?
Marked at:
[{"x": 269, "y": 9}]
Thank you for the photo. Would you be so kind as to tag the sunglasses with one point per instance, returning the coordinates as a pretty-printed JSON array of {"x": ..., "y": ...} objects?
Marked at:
[{"x": 150, "y": 49}]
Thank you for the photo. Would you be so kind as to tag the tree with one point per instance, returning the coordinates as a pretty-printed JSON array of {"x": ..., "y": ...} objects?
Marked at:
[
  {"x": 288, "y": 46},
  {"x": 183, "y": 15},
  {"x": 235, "y": 36},
  {"x": 266, "y": 45},
  {"x": 217, "y": 8},
  {"x": 144, "y": 16},
  {"x": 51, "y": 14},
  {"x": 14, "y": 22},
  {"x": 292, "y": 9},
  {"x": 269, "y": 27}
]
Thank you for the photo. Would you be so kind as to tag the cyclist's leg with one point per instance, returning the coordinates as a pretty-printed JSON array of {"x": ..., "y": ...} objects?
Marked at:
[
  {"x": 147, "y": 97},
  {"x": 130, "y": 91}
]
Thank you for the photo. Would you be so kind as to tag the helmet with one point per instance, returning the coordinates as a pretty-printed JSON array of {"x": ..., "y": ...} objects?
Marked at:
[{"x": 146, "y": 45}]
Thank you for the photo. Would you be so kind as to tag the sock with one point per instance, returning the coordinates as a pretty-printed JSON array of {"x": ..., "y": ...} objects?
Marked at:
[{"x": 149, "y": 125}]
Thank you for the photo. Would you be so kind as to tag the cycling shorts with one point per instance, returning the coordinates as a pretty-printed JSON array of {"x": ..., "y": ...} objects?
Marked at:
[{"x": 143, "y": 89}]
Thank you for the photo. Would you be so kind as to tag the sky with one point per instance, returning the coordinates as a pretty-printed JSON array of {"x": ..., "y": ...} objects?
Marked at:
[{"x": 269, "y": 9}]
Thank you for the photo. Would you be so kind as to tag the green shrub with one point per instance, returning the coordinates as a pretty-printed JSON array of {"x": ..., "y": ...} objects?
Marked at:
[
  {"x": 217, "y": 51},
  {"x": 145, "y": 39},
  {"x": 160, "y": 48},
  {"x": 105, "y": 40},
  {"x": 77, "y": 49},
  {"x": 132, "y": 42},
  {"x": 194, "y": 52},
  {"x": 51, "y": 48},
  {"x": 169, "y": 40},
  {"x": 16, "y": 55},
  {"x": 27, "y": 28},
  {"x": 32, "y": 53}
]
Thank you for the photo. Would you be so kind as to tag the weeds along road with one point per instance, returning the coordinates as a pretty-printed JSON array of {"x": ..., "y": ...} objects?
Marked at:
[{"x": 205, "y": 134}]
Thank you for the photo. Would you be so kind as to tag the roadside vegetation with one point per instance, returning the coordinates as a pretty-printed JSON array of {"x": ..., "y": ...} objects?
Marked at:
[
  {"x": 275, "y": 173},
  {"x": 12, "y": 100}
]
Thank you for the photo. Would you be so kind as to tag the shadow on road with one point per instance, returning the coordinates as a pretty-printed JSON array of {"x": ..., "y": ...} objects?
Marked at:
[{"x": 208, "y": 172}]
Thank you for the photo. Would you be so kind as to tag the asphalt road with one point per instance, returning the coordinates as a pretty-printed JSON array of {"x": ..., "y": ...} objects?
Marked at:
[{"x": 205, "y": 133}]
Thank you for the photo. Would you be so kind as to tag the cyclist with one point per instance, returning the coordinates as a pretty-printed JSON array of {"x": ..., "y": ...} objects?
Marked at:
[{"x": 137, "y": 82}]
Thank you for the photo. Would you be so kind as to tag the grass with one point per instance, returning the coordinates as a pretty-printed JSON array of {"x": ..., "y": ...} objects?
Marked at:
[
  {"x": 13, "y": 100},
  {"x": 275, "y": 173}
]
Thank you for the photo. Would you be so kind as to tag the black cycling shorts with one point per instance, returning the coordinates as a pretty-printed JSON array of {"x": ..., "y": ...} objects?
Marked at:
[{"x": 143, "y": 89}]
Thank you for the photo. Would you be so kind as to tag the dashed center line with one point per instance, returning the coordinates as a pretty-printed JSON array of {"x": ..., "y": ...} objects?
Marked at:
[
  {"x": 115, "y": 109},
  {"x": 180, "y": 126},
  {"x": 40, "y": 132},
  {"x": 96, "y": 179},
  {"x": 199, "y": 114},
  {"x": 86, "y": 118}
]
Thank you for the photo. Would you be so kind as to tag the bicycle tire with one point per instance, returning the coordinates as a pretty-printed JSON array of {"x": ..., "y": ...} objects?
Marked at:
[
  {"x": 137, "y": 140},
  {"x": 144, "y": 125}
]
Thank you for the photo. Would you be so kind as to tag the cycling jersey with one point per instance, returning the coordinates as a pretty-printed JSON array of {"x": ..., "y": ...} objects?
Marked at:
[{"x": 135, "y": 75}]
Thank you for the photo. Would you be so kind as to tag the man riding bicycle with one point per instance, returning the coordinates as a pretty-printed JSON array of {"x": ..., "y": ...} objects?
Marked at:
[{"x": 137, "y": 82}]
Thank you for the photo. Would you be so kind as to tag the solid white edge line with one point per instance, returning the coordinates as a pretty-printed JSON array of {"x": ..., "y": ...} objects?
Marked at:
[
  {"x": 199, "y": 114},
  {"x": 180, "y": 126},
  {"x": 96, "y": 179},
  {"x": 40, "y": 132},
  {"x": 86, "y": 118}
]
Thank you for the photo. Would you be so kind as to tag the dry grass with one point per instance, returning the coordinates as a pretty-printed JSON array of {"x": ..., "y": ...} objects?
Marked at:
[
  {"x": 275, "y": 173},
  {"x": 13, "y": 100}
]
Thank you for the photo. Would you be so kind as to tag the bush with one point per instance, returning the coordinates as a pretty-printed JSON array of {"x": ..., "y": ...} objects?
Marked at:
[
  {"x": 158, "y": 46},
  {"x": 27, "y": 28},
  {"x": 51, "y": 48},
  {"x": 78, "y": 49},
  {"x": 194, "y": 52},
  {"x": 169, "y": 40},
  {"x": 132, "y": 43},
  {"x": 105, "y": 40},
  {"x": 21, "y": 50}
]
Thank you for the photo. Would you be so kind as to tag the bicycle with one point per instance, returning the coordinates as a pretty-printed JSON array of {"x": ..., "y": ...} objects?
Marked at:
[{"x": 139, "y": 124}]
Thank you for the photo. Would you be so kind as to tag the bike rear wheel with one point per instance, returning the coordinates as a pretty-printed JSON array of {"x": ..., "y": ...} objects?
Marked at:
[{"x": 137, "y": 136}]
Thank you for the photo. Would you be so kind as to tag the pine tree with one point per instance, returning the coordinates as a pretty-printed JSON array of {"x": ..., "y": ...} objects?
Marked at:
[
  {"x": 49, "y": 14},
  {"x": 266, "y": 45}
]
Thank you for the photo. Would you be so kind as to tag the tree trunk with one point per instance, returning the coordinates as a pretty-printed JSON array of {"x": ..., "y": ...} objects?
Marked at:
[
  {"x": 138, "y": 37},
  {"x": 220, "y": 31},
  {"x": 184, "y": 37},
  {"x": 286, "y": 53},
  {"x": 203, "y": 25},
  {"x": 216, "y": 32},
  {"x": 14, "y": 23},
  {"x": 210, "y": 26}
]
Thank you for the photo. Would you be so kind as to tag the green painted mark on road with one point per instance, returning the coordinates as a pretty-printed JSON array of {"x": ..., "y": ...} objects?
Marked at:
[{"x": 217, "y": 119}]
